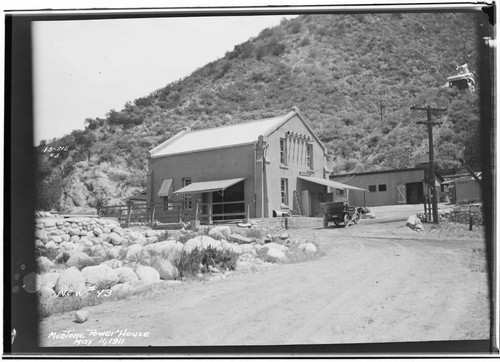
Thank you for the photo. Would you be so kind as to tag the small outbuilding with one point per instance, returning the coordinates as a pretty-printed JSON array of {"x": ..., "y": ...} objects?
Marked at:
[{"x": 389, "y": 187}]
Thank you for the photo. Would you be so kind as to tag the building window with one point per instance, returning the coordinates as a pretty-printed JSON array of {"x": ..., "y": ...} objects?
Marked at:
[
  {"x": 283, "y": 153},
  {"x": 186, "y": 198},
  {"x": 372, "y": 188},
  {"x": 284, "y": 191},
  {"x": 309, "y": 156},
  {"x": 340, "y": 192},
  {"x": 382, "y": 187}
]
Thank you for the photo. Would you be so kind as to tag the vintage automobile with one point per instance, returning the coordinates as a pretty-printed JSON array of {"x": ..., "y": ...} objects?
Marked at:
[{"x": 341, "y": 212}]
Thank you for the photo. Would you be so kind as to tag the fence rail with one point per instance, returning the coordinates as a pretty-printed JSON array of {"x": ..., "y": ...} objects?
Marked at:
[{"x": 174, "y": 212}]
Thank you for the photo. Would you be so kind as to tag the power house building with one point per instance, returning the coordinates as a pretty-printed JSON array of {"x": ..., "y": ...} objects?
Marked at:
[{"x": 256, "y": 169}]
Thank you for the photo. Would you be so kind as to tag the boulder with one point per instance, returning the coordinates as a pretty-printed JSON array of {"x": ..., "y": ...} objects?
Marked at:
[
  {"x": 165, "y": 269},
  {"x": 169, "y": 249},
  {"x": 215, "y": 234},
  {"x": 56, "y": 239},
  {"x": 102, "y": 276},
  {"x": 114, "y": 253},
  {"x": 126, "y": 275},
  {"x": 239, "y": 239},
  {"x": 222, "y": 231},
  {"x": 201, "y": 242},
  {"x": 49, "y": 280},
  {"x": 284, "y": 236},
  {"x": 79, "y": 259},
  {"x": 235, "y": 248},
  {"x": 275, "y": 255},
  {"x": 114, "y": 263},
  {"x": 147, "y": 274},
  {"x": 114, "y": 239},
  {"x": 81, "y": 316},
  {"x": 269, "y": 246},
  {"x": 152, "y": 239},
  {"x": 97, "y": 231},
  {"x": 70, "y": 279},
  {"x": 42, "y": 235},
  {"x": 308, "y": 248},
  {"x": 134, "y": 252},
  {"x": 44, "y": 264}
]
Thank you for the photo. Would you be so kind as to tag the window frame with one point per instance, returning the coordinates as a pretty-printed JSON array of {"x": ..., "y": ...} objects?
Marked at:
[
  {"x": 372, "y": 188},
  {"x": 384, "y": 187},
  {"x": 309, "y": 156},
  {"x": 283, "y": 152},
  {"x": 284, "y": 191}
]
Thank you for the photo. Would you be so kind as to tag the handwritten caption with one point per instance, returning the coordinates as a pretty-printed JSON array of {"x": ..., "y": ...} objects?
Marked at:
[
  {"x": 81, "y": 293},
  {"x": 55, "y": 151},
  {"x": 96, "y": 337}
]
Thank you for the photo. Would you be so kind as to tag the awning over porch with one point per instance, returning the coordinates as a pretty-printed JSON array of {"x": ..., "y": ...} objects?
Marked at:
[
  {"x": 166, "y": 188},
  {"x": 208, "y": 186},
  {"x": 330, "y": 183}
]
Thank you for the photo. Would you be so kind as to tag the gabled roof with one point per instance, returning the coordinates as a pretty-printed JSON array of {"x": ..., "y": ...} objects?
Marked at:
[{"x": 224, "y": 136}]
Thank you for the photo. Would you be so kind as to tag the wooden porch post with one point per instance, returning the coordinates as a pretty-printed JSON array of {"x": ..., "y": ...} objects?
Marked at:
[
  {"x": 128, "y": 214},
  {"x": 247, "y": 212}
]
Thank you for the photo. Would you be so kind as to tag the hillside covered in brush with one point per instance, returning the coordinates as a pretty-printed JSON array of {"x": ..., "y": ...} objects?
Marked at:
[{"x": 354, "y": 78}]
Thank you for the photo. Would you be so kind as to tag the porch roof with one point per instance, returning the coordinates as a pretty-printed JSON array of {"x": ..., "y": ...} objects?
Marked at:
[
  {"x": 208, "y": 186},
  {"x": 330, "y": 183}
]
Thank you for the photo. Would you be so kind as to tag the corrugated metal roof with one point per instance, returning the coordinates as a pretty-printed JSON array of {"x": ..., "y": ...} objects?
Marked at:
[
  {"x": 219, "y": 137},
  {"x": 330, "y": 183}
]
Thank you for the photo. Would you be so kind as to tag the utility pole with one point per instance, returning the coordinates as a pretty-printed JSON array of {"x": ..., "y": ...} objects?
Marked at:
[{"x": 432, "y": 177}]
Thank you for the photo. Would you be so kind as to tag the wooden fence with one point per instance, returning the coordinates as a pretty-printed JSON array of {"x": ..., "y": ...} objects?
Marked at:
[{"x": 174, "y": 212}]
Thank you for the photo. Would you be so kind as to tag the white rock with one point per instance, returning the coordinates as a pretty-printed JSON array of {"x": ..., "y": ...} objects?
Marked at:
[
  {"x": 308, "y": 248},
  {"x": 49, "y": 280},
  {"x": 81, "y": 316},
  {"x": 70, "y": 279},
  {"x": 165, "y": 269},
  {"x": 134, "y": 252},
  {"x": 102, "y": 276},
  {"x": 114, "y": 239},
  {"x": 147, "y": 274},
  {"x": 201, "y": 242},
  {"x": 275, "y": 255},
  {"x": 78, "y": 259},
  {"x": 126, "y": 274},
  {"x": 169, "y": 249},
  {"x": 44, "y": 264},
  {"x": 114, "y": 263},
  {"x": 269, "y": 246}
]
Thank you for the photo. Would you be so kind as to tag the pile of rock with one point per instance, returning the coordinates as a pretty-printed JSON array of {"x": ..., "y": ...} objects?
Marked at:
[
  {"x": 460, "y": 214},
  {"x": 415, "y": 223},
  {"x": 83, "y": 255}
]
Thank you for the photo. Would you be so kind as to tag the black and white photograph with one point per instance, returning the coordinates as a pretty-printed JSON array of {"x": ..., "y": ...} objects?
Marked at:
[{"x": 280, "y": 180}]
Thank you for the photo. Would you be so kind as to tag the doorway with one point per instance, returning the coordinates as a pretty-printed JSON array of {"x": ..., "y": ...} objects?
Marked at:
[
  {"x": 230, "y": 201},
  {"x": 415, "y": 193}
]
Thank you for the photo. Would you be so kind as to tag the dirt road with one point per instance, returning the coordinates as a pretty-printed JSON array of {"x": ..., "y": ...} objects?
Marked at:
[{"x": 375, "y": 284}]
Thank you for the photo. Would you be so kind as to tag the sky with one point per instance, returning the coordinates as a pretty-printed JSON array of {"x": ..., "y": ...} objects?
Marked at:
[{"x": 84, "y": 68}]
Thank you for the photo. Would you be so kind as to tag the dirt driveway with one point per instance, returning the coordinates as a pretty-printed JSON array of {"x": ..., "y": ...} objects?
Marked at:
[{"x": 377, "y": 282}]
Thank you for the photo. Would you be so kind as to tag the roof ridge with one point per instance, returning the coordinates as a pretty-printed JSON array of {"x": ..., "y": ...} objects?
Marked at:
[{"x": 237, "y": 124}]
